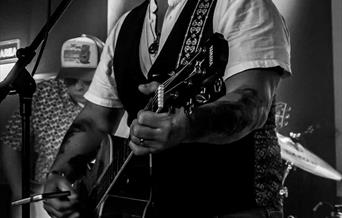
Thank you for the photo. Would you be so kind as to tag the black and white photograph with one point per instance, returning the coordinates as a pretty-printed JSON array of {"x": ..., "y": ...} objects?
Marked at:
[{"x": 170, "y": 109}]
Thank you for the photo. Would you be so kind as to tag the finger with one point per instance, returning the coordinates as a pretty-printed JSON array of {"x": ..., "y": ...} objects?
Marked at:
[
  {"x": 134, "y": 129},
  {"x": 59, "y": 183},
  {"x": 138, "y": 141},
  {"x": 143, "y": 132},
  {"x": 151, "y": 146},
  {"x": 63, "y": 204},
  {"x": 139, "y": 150},
  {"x": 74, "y": 215},
  {"x": 60, "y": 205},
  {"x": 55, "y": 213},
  {"x": 152, "y": 119},
  {"x": 64, "y": 185},
  {"x": 148, "y": 88}
]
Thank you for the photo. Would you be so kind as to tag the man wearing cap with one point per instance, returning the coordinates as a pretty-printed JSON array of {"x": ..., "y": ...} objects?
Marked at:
[{"x": 55, "y": 104}]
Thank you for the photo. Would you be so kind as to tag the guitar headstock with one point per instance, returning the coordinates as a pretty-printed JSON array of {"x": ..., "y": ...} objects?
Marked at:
[
  {"x": 199, "y": 81},
  {"x": 282, "y": 114}
]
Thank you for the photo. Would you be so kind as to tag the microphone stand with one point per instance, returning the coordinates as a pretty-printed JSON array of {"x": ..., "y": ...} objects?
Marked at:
[{"x": 21, "y": 81}]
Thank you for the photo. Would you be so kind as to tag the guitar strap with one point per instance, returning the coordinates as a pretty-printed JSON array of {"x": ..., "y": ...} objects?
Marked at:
[
  {"x": 190, "y": 31},
  {"x": 193, "y": 26},
  {"x": 195, "y": 30}
]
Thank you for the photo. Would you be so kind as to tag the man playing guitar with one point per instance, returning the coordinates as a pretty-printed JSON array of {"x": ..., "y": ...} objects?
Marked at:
[{"x": 218, "y": 159}]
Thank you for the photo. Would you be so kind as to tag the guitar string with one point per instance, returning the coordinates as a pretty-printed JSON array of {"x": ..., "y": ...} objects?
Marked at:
[
  {"x": 126, "y": 152},
  {"x": 150, "y": 105},
  {"x": 154, "y": 100},
  {"x": 167, "y": 82}
]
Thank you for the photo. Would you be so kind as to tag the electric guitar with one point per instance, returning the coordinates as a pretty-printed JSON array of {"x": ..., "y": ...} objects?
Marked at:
[{"x": 113, "y": 186}]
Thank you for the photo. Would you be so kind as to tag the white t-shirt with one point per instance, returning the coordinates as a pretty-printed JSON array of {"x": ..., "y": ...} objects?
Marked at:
[{"x": 255, "y": 31}]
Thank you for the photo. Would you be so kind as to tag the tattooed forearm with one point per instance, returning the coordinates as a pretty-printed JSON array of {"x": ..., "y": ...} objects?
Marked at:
[
  {"x": 78, "y": 148},
  {"x": 78, "y": 126},
  {"x": 227, "y": 120}
]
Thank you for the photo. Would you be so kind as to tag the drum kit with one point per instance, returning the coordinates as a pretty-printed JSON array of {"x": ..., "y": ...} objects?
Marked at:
[{"x": 296, "y": 155}]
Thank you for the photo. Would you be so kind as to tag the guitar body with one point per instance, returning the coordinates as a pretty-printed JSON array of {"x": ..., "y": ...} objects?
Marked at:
[
  {"x": 120, "y": 184},
  {"x": 115, "y": 164}
]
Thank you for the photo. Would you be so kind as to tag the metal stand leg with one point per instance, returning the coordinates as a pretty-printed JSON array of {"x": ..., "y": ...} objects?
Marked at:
[{"x": 284, "y": 191}]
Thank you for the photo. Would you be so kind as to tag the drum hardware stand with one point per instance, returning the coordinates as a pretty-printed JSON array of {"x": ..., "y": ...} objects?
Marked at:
[
  {"x": 289, "y": 165},
  {"x": 336, "y": 210},
  {"x": 284, "y": 191},
  {"x": 20, "y": 81}
]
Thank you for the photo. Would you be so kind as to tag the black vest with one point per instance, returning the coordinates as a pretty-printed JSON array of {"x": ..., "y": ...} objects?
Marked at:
[
  {"x": 198, "y": 179},
  {"x": 126, "y": 58}
]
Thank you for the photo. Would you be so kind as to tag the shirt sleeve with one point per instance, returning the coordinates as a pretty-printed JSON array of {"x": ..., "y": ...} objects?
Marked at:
[
  {"x": 103, "y": 89},
  {"x": 256, "y": 33}
]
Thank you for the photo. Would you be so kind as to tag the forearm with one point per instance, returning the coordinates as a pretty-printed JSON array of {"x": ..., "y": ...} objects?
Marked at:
[
  {"x": 244, "y": 108},
  {"x": 230, "y": 118},
  {"x": 77, "y": 149},
  {"x": 81, "y": 141}
]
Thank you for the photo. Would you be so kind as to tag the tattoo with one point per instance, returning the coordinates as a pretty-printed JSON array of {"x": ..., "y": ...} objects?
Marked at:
[
  {"x": 229, "y": 118},
  {"x": 73, "y": 157},
  {"x": 77, "y": 127}
]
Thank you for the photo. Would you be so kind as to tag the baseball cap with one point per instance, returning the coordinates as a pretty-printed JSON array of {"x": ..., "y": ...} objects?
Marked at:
[{"x": 80, "y": 57}]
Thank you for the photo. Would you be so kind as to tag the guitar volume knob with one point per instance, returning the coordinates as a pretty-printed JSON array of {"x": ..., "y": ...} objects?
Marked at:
[
  {"x": 190, "y": 109},
  {"x": 202, "y": 98},
  {"x": 203, "y": 90},
  {"x": 189, "y": 102},
  {"x": 174, "y": 95},
  {"x": 188, "y": 83},
  {"x": 218, "y": 86}
]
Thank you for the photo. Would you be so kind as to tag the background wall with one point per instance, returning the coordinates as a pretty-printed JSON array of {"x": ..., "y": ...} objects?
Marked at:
[
  {"x": 23, "y": 19},
  {"x": 12, "y": 25}
]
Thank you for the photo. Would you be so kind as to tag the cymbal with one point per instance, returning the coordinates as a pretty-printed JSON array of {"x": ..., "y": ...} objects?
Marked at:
[{"x": 302, "y": 158}]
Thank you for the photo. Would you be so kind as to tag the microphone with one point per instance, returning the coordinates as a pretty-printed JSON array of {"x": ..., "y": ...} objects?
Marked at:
[{"x": 40, "y": 197}]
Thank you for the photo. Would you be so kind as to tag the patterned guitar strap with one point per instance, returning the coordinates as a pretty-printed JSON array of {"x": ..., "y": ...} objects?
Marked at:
[{"x": 195, "y": 30}]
